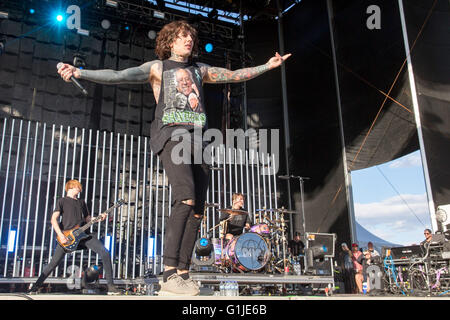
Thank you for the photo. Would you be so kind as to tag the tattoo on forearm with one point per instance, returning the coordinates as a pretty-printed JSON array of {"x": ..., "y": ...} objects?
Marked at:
[
  {"x": 139, "y": 74},
  {"x": 222, "y": 75}
]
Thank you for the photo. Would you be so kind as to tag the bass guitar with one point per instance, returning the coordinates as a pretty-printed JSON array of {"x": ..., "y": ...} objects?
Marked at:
[{"x": 75, "y": 235}]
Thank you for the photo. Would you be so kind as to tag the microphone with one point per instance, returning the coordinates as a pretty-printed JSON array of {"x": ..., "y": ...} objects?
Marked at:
[
  {"x": 284, "y": 177},
  {"x": 74, "y": 80}
]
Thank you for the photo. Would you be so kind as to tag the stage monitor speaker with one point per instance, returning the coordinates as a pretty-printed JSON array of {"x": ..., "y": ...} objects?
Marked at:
[{"x": 327, "y": 240}]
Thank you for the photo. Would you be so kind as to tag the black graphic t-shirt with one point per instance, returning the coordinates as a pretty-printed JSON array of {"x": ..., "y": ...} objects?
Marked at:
[{"x": 180, "y": 102}]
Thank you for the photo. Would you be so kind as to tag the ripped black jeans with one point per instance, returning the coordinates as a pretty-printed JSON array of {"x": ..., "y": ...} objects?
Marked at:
[{"x": 189, "y": 182}]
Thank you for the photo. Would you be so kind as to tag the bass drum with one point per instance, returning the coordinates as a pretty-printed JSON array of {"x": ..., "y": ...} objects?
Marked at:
[{"x": 248, "y": 252}]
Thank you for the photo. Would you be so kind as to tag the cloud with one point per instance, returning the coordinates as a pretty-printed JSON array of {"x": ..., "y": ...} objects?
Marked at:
[
  {"x": 391, "y": 219},
  {"x": 394, "y": 208},
  {"x": 411, "y": 160}
]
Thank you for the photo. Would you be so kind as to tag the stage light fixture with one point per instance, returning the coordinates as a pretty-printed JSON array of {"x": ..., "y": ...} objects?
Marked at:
[
  {"x": 152, "y": 34},
  {"x": 209, "y": 47},
  {"x": 112, "y": 4},
  {"x": 319, "y": 251},
  {"x": 91, "y": 274},
  {"x": 79, "y": 61},
  {"x": 2, "y": 46},
  {"x": 442, "y": 213},
  {"x": 108, "y": 242},
  {"x": 83, "y": 32},
  {"x": 32, "y": 11},
  {"x": 106, "y": 24},
  {"x": 151, "y": 247},
  {"x": 90, "y": 280},
  {"x": 203, "y": 247},
  {"x": 159, "y": 14},
  {"x": 203, "y": 255},
  {"x": 59, "y": 17},
  {"x": 12, "y": 240},
  {"x": 4, "y": 15}
]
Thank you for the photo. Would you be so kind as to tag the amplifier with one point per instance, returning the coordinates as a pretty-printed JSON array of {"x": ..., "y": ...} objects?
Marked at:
[{"x": 406, "y": 252}]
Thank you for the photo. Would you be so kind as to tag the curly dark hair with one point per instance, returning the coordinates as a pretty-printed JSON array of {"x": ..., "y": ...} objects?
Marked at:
[{"x": 169, "y": 33}]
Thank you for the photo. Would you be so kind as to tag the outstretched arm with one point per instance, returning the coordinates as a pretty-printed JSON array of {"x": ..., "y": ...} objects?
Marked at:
[
  {"x": 222, "y": 75},
  {"x": 133, "y": 75}
]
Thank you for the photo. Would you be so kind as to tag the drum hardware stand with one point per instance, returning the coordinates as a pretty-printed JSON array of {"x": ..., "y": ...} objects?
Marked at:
[
  {"x": 208, "y": 205},
  {"x": 283, "y": 239},
  {"x": 223, "y": 224}
]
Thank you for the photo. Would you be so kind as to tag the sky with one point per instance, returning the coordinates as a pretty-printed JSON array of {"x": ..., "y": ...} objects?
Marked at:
[{"x": 390, "y": 200}]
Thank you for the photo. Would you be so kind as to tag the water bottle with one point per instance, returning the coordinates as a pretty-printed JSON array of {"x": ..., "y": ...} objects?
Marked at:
[
  {"x": 230, "y": 288},
  {"x": 227, "y": 288},
  {"x": 364, "y": 287},
  {"x": 222, "y": 288},
  {"x": 233, "y": 288},
  {"x": 236, "y": 287}
]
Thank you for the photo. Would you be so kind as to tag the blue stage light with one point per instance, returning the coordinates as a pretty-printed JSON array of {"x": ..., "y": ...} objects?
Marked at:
[
  {"x": 59, "y": 17},
  {"x": 151, "y": 246},
  {"x": 32, "y": 11},
  {"x": 204, "y": 242},
  {"x": 108, "y": 239},
  {"x": 209, "y": 47},
  {"x": 12, "y": 240}
]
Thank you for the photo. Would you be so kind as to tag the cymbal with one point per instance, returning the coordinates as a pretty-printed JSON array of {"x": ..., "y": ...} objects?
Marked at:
[
  {"x": 282, "y": 210},
  {"x": 279, "y": 221},
  {"x": 275, "y": 228},
  {"x": 233, "y": 212},
  {"x": 209, "y": 205}
]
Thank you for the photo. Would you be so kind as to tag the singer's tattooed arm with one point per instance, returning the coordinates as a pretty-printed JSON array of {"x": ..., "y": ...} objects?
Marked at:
[
  {"x": 222, "y": 75},
  {"x": 133, "y": 75}
]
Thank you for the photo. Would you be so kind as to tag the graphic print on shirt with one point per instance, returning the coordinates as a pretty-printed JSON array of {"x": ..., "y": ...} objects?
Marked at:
[{"x": 182, "y": 99}]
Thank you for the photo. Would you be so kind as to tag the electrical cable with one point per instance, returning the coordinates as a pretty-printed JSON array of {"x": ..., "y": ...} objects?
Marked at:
[
  {"x": 393, "y": 187},
  {"x": 391, "y": 268}
]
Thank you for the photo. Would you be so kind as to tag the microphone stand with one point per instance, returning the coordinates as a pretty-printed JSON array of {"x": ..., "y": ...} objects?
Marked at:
[{"x": 301, "y": 182}]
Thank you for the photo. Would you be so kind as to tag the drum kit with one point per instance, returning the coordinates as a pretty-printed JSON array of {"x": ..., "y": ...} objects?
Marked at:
[{"x": 263, "y": 248}]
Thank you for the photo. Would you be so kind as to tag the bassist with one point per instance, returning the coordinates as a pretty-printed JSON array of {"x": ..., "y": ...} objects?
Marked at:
[{"x": 74, "y": 212}]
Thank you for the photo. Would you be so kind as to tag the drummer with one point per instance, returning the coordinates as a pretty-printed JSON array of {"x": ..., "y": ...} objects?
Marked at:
[{"x": 236, "y": 225}]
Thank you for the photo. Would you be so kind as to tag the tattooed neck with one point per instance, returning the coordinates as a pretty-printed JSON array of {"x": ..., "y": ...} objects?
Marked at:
[{"x": 177, "y": 57}]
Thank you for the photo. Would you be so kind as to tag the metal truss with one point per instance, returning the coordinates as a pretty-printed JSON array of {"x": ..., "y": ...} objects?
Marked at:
[{"x": 203, "y": 26}]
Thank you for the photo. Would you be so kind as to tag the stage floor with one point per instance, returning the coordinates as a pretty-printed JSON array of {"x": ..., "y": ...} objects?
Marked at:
[{"x": 87, "y": 297}]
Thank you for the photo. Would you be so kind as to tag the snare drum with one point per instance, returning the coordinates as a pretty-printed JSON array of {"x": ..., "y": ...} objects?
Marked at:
[
  {"x": 261, "y": 229},
  {"x": 248, "y": 252}
]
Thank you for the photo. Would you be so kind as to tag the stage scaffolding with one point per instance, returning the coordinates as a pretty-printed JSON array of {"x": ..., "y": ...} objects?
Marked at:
[{"x": 36, "y": 161}]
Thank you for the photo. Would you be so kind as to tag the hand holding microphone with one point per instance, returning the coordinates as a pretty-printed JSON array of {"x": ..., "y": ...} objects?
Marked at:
[{"x": 70, "y": 74}]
